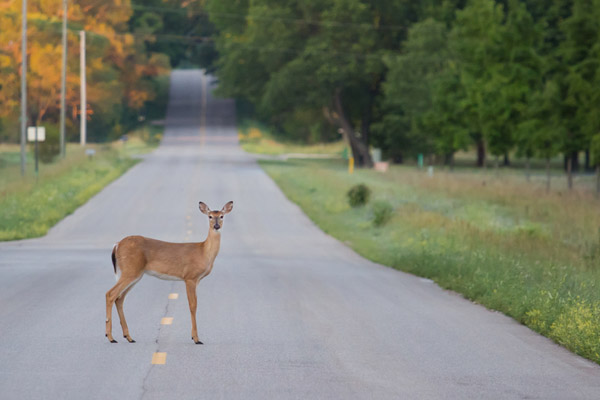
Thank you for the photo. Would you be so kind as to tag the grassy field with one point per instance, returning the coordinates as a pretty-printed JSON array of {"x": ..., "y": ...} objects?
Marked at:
[
  {"x": 496, "y": 238},
  {"x": 31, "y": 205},
  {"x": 256, "y": 139}
]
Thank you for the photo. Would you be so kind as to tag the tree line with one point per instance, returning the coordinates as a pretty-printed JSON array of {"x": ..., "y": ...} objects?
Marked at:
[
  {"x": 431, "y": 77},
  {"x": 130, "y": 48}
]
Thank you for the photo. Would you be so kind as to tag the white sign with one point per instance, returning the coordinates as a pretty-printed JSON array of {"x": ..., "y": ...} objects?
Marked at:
[{"x": 41, "y": 133}]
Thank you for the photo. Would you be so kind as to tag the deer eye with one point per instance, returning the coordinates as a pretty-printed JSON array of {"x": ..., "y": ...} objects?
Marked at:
[
  {"x": 210, "y": 217},
  {"x": 221, "y": 217}
]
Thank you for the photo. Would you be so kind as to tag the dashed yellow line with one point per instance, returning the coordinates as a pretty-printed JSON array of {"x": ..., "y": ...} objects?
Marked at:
[
  {"x": 166, "y": 321},
  {"x": 159, "y": 358},
  {"x": 173, "y": 296}
]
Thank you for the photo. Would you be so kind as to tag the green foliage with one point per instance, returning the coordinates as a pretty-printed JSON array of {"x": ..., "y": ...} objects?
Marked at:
[
  {"x": 505, "y": 75},
  {"x": 358, "y": 195},
  {"x": 595, "y": 149},
  {"x": 310, "y": 66},
  {"x": 50, "y": 148},
  {"x": 382, "y": 212}
]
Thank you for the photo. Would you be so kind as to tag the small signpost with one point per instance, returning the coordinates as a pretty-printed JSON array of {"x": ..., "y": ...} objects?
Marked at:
[{"x": 36, "y": 134}]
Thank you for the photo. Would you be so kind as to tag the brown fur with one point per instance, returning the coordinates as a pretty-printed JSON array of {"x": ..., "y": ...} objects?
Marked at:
[{"x": 189, "y": 262}]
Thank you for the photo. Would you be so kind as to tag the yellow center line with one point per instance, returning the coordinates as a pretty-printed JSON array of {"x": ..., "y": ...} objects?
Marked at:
[
  {"x": 159, "y": 358},
  {"x": 203, "y": 110},
  {"x": 173, "y": 296},
  {"x": 166, "y": 321}
]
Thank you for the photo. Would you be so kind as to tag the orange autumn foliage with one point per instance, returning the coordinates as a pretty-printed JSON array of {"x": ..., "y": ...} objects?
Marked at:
[{"x": 117, "y": 66}]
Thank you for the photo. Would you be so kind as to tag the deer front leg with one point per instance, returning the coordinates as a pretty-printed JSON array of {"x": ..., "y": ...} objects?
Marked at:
[{"x": 190, "y": 287}]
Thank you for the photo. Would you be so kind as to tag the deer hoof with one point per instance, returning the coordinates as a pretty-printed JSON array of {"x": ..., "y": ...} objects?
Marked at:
[
  {"x": 113, "y": 341},
  {"x": 129, "y": 339},
  {"x": 197, "y": 341}
]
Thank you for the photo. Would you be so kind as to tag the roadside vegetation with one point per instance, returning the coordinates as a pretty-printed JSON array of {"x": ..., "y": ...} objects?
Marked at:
[
  {"x": 258, "y": 139},
  {"x": 429, "y": 78},
  {"x": 30, "y": 206},
  {"x": 498, "y": 239}
]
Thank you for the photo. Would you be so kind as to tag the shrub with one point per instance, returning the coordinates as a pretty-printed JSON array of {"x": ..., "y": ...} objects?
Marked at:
[
  {"x": 50, "y": 148},
  {"x": 382, "y": 212},
  {"x": 358, "y": 195}
]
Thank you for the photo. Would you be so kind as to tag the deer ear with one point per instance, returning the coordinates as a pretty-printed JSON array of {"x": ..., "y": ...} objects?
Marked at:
[
  {"x": 227, "y": 207},
  {"x": 204, "y": 208}
]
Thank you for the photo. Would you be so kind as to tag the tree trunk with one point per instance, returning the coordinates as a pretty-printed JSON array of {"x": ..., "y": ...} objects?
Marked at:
[
  {"x": 570, "y": 173},
  {"x": 367, "y": 115},
  {"x": 480, "y": 153},
  {"x": 598, "y": 181},
  {"x": 360, "y": 150},
  {"x": 528, "y": 169},
  {"x": 587, "y": 167},
  {"x": 575, "y": 161},
  {"x": 506, "y": 160},
  {"x": 450, "y": 161},
  {"x": 547, "y": 175}
]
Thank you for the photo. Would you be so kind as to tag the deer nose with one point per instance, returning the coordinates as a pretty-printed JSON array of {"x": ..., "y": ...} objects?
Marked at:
[{"x": 217, "y": 226}]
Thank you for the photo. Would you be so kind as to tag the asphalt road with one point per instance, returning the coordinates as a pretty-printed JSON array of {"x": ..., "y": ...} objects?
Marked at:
[{"x": 287, "y": 313}]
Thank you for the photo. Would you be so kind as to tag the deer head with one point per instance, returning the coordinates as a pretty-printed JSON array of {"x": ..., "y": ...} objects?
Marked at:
[{"x": 215, "y": 218}]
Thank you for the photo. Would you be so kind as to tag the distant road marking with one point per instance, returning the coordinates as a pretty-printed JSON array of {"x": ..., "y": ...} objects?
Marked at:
[
  {"x": 203, "y": 109},
  {"x": 173, "y": 296},
  {"x": 189, "y": 232},
  {"x": 159, "y": 358},
  {"x": 188, "y": 217},
  {"x": 166, "y": 321}
]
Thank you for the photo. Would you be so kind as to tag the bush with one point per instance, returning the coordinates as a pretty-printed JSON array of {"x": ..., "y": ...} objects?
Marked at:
[
  {"x": 382, "y": 212},
  {"x": 358, "y": 195},
  {"x": 50, "y": 148}
]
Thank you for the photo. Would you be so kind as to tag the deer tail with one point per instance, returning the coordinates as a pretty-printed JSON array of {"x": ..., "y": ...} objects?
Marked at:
[{"x": 113, "y": 256}]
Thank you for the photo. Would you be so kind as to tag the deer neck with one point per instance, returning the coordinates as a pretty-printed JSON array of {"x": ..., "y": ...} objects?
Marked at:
[{"x": 212, "y": 245}]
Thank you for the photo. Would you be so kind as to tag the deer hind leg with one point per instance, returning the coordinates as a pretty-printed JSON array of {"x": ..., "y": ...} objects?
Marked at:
[
  {"x": 190, "y": 287},
  {"x": 119, "y": 303},
  {"x": 122, "y": 285}
]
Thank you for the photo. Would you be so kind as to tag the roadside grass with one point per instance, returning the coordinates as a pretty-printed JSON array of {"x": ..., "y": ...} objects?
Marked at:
[
  {"x": 30, "y": 206},
  {"x": 499, "y": 240},
  {"x": 257, "y": 139}
]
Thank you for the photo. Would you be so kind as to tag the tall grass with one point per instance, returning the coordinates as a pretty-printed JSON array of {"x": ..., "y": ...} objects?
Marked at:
[
  {"x": 31, "y": 205},
  {"x": 499, "y": 241}
]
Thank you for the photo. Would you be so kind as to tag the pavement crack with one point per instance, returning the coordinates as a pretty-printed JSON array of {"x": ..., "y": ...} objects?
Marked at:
[{"x": 147, "y": 376}]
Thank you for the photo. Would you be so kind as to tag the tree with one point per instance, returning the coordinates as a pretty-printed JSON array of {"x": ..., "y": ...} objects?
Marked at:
[
  {"x": 308, "y": 56},
  {"x": 114, "y": 69},
  {"x": 408, "y": 87},
  {"x": 474, "y": 41}
]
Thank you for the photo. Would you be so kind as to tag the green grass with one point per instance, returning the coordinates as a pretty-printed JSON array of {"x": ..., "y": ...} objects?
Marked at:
[
  {"x": 257, "y": 139},
  {"x": 499, "y": 240},
  {"x": 31, "y": 205}
]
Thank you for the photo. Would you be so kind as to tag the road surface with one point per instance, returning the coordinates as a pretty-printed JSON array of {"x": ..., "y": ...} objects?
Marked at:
[{"x": 287, "y": 313}]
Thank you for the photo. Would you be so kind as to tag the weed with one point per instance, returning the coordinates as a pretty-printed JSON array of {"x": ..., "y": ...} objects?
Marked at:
[
  {"x": 382, "y": 212},
  {"x": 358, "y": 195}
]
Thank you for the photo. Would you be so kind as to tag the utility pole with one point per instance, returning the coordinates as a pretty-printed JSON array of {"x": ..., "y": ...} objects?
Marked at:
[
  {"x": 63, "y": 82},
  {"x": 83, "y": 107},
  {"x": 23, "y": 84}
]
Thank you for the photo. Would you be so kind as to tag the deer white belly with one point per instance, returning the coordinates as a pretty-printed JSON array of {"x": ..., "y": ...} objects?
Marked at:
[{"x": 162, "y": 276}]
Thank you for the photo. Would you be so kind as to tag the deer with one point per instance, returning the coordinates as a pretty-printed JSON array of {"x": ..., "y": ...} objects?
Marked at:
[{"x": 134, "y": 256}]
